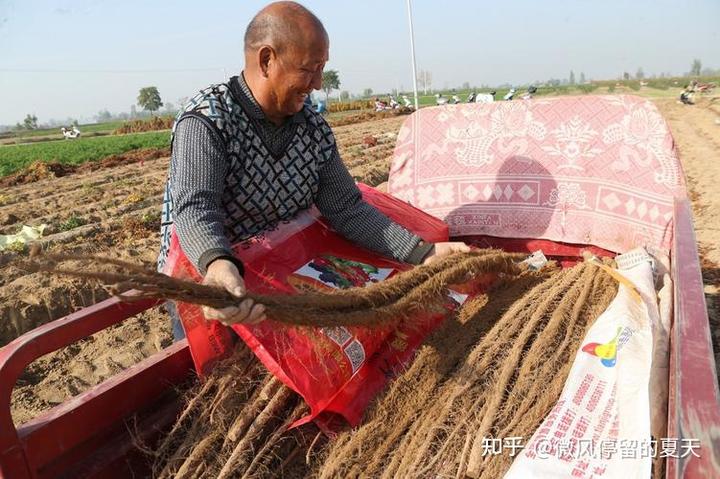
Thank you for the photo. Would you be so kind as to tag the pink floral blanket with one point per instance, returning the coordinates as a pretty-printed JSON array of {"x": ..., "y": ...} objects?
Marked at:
[{"x": 599, "y": 170}]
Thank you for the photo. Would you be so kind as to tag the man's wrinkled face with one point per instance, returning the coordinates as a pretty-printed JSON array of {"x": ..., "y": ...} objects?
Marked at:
[{"x": 299, "y": 72}]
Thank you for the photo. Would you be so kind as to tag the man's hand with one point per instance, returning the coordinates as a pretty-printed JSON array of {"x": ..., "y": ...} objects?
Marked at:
[
  {"x": 224, "y": 273},
  {"x": 440, "y": 250}
]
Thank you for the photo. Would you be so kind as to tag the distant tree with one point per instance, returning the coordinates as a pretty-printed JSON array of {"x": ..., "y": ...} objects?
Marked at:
[
  {"x": 344, "y": 95},
  {"x": 149, "y": 99},
  {"x": 394, "y": 92},
  {"x": 367, "y": 92},
  {"x": 103, "y": 116},
  {"x": 330, "y": 82},
  {"x": 640, "y": 74},
  {"x": 696, "y": 67},
  {"x": 626, "y": 76},
  {"x": 572, "y": 77},
  {"x": 30, "y": 122},
  {"x": 466, "y": 85},
  {"x": 133, "y": 112},
  {"x": 582, "y": 78}
]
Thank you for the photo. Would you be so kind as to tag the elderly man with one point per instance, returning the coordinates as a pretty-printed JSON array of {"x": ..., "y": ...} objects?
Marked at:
[{"x": 247, "y": 154}]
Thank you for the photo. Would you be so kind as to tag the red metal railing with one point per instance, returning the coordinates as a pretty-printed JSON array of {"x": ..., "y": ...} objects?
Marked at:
[
  {"x": 68, "y": 435},
  {"x": 694, "y": 401}
]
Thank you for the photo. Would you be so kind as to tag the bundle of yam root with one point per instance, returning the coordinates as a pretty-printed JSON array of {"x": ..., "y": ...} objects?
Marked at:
[{"x": 494, "y": 369}]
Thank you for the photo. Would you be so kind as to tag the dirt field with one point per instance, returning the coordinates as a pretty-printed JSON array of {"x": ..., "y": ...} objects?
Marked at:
[
  {"x": 696, "y": 130},
  {"x": 115, "y": 211}
]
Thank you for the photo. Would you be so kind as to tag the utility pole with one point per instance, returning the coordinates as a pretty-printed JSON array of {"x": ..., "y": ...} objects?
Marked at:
[{"x": 412, "y": 54}]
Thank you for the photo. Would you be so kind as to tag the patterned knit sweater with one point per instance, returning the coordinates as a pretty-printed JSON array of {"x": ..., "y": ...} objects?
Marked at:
[{"x": 234, "y": 174}]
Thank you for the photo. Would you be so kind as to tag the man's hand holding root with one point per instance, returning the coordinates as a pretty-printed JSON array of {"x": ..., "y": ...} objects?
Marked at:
[
  {"x": 225, "y": 274},
  {"x": 440, "y": 250}
]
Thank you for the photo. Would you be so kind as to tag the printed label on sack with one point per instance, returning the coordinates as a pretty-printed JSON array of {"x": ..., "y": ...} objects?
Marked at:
[{"x": 342, "y": 273}]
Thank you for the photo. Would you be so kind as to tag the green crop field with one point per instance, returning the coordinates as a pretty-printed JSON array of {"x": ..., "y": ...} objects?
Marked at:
[
  {"x": 107, "y": 127},
  {"x": 16, "y": 157}
]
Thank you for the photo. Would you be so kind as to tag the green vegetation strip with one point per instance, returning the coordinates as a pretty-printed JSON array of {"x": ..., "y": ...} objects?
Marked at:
[
  {"x": 75, "y": 152},
  {"x": 106, "y": 127}
]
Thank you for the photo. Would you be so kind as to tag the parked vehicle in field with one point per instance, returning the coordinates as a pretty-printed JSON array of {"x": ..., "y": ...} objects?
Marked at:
[{"x": 70, "y": 133}]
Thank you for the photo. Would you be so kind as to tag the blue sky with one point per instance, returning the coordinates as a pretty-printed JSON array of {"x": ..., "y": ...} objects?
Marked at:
[{"x": 61, "y": 59}]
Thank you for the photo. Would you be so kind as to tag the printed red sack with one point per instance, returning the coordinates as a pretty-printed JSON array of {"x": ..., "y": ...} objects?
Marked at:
[{"x": 338, "y": 371}]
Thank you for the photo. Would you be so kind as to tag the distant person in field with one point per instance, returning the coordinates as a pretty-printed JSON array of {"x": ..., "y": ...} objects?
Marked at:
[
  {"x": 530, "y": 92},
  {"x": 686, "y": 96},
  {"x": 380, "y": 105},
  {"x": 248, "y": 154}
]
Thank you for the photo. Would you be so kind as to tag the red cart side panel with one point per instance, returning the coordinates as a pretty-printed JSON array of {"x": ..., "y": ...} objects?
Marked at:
[
  {"x": 694, "y": 401},
  {"x": 26, "y": 451}
]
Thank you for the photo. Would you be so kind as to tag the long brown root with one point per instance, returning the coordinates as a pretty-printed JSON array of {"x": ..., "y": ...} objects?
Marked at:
[
  {"x": 235, "y": 424},
  {"x": 398, "y": 298}
]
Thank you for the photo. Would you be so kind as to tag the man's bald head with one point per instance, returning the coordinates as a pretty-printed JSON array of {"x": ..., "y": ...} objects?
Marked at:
[
  {"x": 282, "y": 25},
  {"x": 286, "y": 49}
]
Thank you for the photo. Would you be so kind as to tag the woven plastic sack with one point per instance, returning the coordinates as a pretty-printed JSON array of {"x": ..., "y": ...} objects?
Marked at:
[{"x": 600, "y": 426}]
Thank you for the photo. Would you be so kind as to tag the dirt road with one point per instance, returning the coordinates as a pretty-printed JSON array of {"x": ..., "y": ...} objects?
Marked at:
[{"x": 696, "y": 130}]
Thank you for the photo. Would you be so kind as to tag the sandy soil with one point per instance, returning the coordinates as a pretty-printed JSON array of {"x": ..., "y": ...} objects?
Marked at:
[
  {"x": 112, "y": 211},
  {"x": 118, "y": 207}
]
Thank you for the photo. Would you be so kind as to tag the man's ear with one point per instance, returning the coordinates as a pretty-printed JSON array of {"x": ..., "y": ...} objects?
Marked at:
[{"x": 266, "y": 56}]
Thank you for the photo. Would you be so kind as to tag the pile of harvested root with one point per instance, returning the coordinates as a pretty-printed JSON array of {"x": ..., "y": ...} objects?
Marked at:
[
  {"x": 500, "y": 381},
  {"x": 236, "y": 424},
  {"x": 495, "y": 370}
]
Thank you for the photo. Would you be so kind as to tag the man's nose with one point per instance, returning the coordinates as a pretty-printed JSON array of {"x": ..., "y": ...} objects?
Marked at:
[{"x": 316, "y": 82}]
